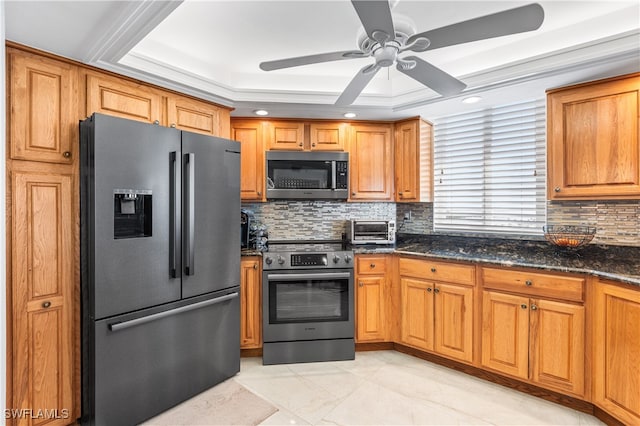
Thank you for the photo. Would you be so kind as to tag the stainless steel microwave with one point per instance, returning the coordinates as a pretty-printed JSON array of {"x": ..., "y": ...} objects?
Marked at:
[
  {"x": 371, "y": 231},
  {"x": 307, "y": 175}
]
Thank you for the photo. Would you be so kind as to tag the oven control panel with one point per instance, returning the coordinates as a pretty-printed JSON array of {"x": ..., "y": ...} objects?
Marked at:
[{"x": 302, "y": 260}]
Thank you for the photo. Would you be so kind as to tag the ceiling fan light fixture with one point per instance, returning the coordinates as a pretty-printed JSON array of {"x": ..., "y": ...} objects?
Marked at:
[
  {"x": 349, "y": 115},
  {"x": 472, "y": 100},
  {"x": 261, "y": 112}
]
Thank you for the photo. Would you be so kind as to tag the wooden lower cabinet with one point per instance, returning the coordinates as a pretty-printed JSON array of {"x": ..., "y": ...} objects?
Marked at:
[
  {"x": 43, "y": 236},
  {"x": 616, "y": 361},
  {"x": 436, "y": 316},
  {"x": 534, "y": 339},
  {"x": 251, "y": 302},
  {"x": 371, "y": 299}
]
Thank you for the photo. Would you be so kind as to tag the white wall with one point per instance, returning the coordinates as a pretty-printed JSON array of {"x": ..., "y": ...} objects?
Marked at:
[{"x": 3, "y": 232}]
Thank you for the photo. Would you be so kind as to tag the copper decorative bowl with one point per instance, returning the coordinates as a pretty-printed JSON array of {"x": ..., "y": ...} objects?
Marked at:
[{"x": 569, "y": 235}]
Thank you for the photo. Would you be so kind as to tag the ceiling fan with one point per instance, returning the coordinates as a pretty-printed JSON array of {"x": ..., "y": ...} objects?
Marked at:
[{"x": 385, "y": 42}]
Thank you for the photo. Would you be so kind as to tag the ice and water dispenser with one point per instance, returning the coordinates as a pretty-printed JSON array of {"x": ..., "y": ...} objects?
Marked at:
[{"x": 132, "y": 213}]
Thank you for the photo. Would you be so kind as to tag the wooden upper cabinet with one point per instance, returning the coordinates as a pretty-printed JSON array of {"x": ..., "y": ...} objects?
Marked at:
[
  {"x": 371, "y": 161},
  {"x": 328, "y": 136},
  {"x": 43, "y": 109},
  {"x": 42, "y": 293},
  {"x": 414, "y": 161},
  {"x": 250, "y": 135},
  {"x": 285, "y": 135},
  {"x": 122, "y": 98},
  {"x": 616, "y": 351},
  {"x": 593, "y": 140},
  {"x": 197, "y": 116}
]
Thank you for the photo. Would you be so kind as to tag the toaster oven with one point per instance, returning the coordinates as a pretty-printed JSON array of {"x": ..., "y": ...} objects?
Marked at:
[{"x": 371, "y": 231}]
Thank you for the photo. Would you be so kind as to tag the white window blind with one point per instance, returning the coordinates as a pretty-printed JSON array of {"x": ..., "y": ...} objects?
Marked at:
[{"x": 489, "y": 168}]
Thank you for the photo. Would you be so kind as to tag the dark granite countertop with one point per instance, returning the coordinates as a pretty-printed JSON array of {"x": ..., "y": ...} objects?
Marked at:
[
  {"x": 619, "y": 263},
  {"x": 250, "y": 252}
]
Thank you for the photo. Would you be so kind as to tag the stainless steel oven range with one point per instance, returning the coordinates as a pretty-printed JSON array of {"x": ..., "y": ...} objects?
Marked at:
[{"x": 308, "y": 303}]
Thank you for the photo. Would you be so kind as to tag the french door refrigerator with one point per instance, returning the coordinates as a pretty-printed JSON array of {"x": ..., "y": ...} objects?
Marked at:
[{"x": 160, "y": 256}]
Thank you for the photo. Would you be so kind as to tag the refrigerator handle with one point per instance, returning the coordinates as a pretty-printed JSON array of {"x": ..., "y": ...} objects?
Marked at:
[
  {"x": 174, "y": 231},
  {"x": 189, "y": 191}
]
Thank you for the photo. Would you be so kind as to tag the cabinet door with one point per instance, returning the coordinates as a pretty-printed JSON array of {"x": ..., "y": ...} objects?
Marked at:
[
  {"x": 249, "y": 134},
  {"x": 285, "y": 135},
  {"x": 557, "y": 345},
  {"x": 43, "y": 109},
  {"x": 417, "y": 313},
  {"x": 122, "y": 98},
  {"x": 453, "y": 321},
  {"x": 195, "y": 116},
  {"x": 505, "y": 333},
  {"x": 407, "y": 157},
  {"x": 42, "y": 290},
  {"x": 593, "y": 140},
  {"x": 616, "y": 361},
  {"x": 370, "y": 308},
  {"x": 250, "y": 304},
  {"x": 371, "y": 160},
  {"x": 328, "y": 136}
]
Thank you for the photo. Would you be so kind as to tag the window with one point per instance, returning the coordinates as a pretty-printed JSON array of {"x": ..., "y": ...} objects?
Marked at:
[{"x": 489, "y": 170}]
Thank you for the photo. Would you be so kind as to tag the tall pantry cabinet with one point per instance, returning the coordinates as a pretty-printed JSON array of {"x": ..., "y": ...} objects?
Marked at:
[{"x": 47, "y": 96}]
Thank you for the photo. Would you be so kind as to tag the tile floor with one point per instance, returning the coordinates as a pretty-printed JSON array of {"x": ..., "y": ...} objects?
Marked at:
[{"x": 391, "y": 388}]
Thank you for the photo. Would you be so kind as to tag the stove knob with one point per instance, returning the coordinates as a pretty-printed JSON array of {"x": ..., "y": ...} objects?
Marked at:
[
  {"x": 336, "y": 258},
  {"x": 347, "y": 259},
  {"x": 281, "y": 260},
  {"x": 268, "y": 261}
]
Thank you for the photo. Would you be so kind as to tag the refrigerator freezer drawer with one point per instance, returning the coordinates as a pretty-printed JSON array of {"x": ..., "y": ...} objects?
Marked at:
[{"x": 144, "y": 364}]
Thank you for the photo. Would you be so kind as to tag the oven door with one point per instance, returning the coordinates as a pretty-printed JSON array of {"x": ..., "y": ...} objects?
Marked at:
[{"x": 308, "y": 305}]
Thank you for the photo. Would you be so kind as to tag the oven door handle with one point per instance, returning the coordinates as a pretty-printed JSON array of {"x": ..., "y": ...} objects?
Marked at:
[{"x": 317, "y": 276}]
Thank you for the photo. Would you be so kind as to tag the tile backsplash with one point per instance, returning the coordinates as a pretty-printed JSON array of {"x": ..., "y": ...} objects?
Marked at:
[{"x": 314, "y": 220}]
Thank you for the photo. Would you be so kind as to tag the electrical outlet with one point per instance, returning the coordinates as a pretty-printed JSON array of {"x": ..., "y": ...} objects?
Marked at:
[{"x": 407, "y": 216}]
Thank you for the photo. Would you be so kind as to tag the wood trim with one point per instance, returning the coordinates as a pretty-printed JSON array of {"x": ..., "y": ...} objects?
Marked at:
[
  {"x": 248, "y": 353},
  {"x": 375, "y": 346},
  {"x": 590, "y": 83}
]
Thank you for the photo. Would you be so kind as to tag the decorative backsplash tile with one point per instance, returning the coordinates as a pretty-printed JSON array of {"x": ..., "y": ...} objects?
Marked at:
[
  {"x": 421, "y": 218},
  {"x": 314, "y": 220}
]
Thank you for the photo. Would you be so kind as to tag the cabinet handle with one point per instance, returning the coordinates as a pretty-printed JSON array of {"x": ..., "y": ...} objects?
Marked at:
[
  {"x": 433, "y": 269},
  {"x": 173, "y": 125},
  {"x": 528, "y": 283},
  {"x": 373, "y": 265},
  {"x": 534, "y": 308},
  {"x": 46, "y": 304},
  {"x": 66, "y": 154},
  {"x": 156, "y": 122},
  {"x": 429, "y": 290},
  {"x": 523, "y": 306},
  {"x": 557, "y": 189},
  {"x": 436, "y": 290}
]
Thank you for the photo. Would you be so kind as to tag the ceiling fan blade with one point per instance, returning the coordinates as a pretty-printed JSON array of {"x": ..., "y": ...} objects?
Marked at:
[
  {"x": 431, "y": 76},
  {"x": 311, "y": 59},
  {"x": 512, "y": 21},
  {"x": 359, "y": 82},
  {"x": 375, "y": 16}
]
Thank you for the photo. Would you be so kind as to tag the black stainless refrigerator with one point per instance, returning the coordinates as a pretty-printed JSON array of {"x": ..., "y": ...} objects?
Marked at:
[{"x": 160, "y": 256}]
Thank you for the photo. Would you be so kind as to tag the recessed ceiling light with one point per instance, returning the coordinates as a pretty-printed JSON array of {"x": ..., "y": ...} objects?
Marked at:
[
  {"x": 472, "y": 99},
  {"x": 349, "y": 114},
  {"x": 261, "y": 112}
]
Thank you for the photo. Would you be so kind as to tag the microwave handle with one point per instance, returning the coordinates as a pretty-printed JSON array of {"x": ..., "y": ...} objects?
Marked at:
[{"x": 334, "y": 175}]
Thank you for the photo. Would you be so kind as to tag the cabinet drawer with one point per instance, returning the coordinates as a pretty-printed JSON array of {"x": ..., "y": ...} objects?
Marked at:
[
  {"x": 438, "y": 271},
  {"x": 371, "y": 265},
  {"x": 535, "y": 284}
]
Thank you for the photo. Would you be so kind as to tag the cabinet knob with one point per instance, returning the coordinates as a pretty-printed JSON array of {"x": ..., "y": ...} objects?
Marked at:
[
  {"x": 300, "y": 144},
  {"x": 523, "y": 306},
  {"x": 433, "y": 269},
  {"x": 353, "y": 194},
  {"x": 173, "y": 125},
  {"x": 360, "y": 284},
  {"x": 313, "y": 144},
  {"x": 400, "y": 194},
  {"x": 46, "y": 304},
  {"x": 429, "y": 290},
  {"x": 534, "y": 308},
  {"x": 259, "y": 193},
  {"x": 66, "y": 154},
  {"x": 373, "y": 265},
  {"x": 255, "y": 266},
  {"x": 156, "y": 122},
  {"x": 528, "y": 283},
  {"x": 436, "y": 290},
  {"x": 557, "y": 189}
]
